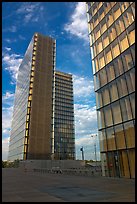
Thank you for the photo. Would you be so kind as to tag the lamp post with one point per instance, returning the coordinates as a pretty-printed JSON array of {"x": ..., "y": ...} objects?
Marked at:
[
  {"x": 81, "y": 149},
  {"x": 95, "y": 150}
]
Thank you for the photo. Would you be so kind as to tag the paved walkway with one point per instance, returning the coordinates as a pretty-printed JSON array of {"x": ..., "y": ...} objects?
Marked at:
[{"x": 19, "y": 186}]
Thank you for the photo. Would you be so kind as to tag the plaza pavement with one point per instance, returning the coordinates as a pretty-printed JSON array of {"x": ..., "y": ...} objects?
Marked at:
[{"x": 20, "y": 186}]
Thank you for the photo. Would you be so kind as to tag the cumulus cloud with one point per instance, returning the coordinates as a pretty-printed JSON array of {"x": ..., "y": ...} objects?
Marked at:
[
  {"x": 77, "y": 25},
  {"x": 11, "y": 63},
  {"x": 5, "y": 148}
]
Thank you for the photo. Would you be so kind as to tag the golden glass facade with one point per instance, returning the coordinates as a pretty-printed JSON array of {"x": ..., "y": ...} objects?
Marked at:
[{"x": 112, "y": 44}]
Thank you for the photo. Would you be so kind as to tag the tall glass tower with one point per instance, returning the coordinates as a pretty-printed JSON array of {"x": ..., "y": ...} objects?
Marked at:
[
  {"x": 112, "y": 43},
  {"x": 32, "y": 131}
]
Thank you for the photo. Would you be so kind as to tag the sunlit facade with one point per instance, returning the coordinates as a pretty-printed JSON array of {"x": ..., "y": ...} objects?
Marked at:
[
  {"x": 32, "y": 125},
  {"x": 112, "y": 43}
]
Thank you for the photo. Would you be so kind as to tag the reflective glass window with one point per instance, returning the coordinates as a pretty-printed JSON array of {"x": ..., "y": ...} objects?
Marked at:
[
  {"x": 115, "y": 49},
  {"x": 97, "y": 32},
  {"x": 96, "y": 20},
  {"x": 127, "y": 60},
  {"x": 100, "y": 116},
  {"x": 101, "y": 60},
  {"x": 103, "y": 141},
  {"x": 118, "y": 66},
  {"x": 123, "y": 40},
  {"x": 103, "y": 77},
  {"x": 128, "y": 17},
  {"x": 105, "y": 96},
  {"x": 99, "y": 45},
  {"x": 108, "y": 116},
  {"x": 131, "y": 34},
  {"x": 133, "y": 9},
  {"x": 116, "y": 112},
  {"x": 113, "y": 91},
  {"x": 108, "y": 55},
  {"x": 112, "y": 33},
  {"x": 107, "y": 6},
  {"x": 111, "y": 139},
  {"x": 130, "y": 77},
  {"x": 119, "y": 24},
  {"x": 101, "y": 13},
  {"x": 96, "y": 81},
  {"x": 103, "y": 26},
  {"x": 109, "y": 19},
  {"x": 105, "y": 39},
  {"x": 124, "y": 5},
  {"x": 116, "y": 11},
  {"x": 110, "y": 72},
  {"x": 120, "y": 138},
  {"x": 99, "y": 99},
  {"x": 130, "y": 134},
  {"x": 133, "y": 53},
  {"x": 126, "y": 109},
  {"x": 122, "y": 87}
]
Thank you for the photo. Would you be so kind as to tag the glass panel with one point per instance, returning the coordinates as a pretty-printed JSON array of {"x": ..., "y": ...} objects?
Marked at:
[
  {"x": 112, "y": 33},
  {"x": 124, "y": 159},
  {"x": 108, "y": 55},
  {"x": 130, "y": 77},
  {"x": 101, "y": 13},
  {"x": 120, "y": 138},
  {"x": 103, "y": 77},
  {"x": 109, "y": 19},
  {"x": 95, "y": 20},
  {"x": 123, "y": 42},
  {"x": 130, "y": 134},
  {"x": 122, "y": 87},
  {"x": 124, "y": 5},
  {"x": 126, "y": 109},
  {"x": 120, "y": 27},
  {"x": 116, "y": 11},
  {"x": 133, "y": 52},
  {"x": 128, "y": 17},
  {"x": 101, "y": 60},
  {"x": 108, "y": 116},
  {"x": 115, "y": 49},
  {"x": 95, "y": 64},
  {"x": 116, "y": 112},
  {"x": 98, "y": 99},
  {"x": 104, "y": 164},
  {"x": 97, "y": 32},
  {"x": 105, "y": 96},
  {"x": 111, "y": 139},
  {"x": 105, "y": 39},
  {"x": 118, "y": 66},
  {"x": 131, "y": 155},
  {"x": 127, "y": 60},
  {"x": 96, "y": 81},
  {"x": 133, "y": 9},
  {"x": 106, "y": 6},
  {"x": 100, "y": 116},
  {"x": 99, "y": 46},
  {"x": 113, "y": 91},
  {"x": 103, "y": 26},
  {"x": 110, "y": 72},
  {"x": 131, "y": 34},
  {"x": 132, "y": 100},
  {"x": 103, "y": 142}
]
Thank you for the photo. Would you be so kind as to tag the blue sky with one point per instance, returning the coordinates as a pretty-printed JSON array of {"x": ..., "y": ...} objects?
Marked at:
[{"x": 67, "y": 23}]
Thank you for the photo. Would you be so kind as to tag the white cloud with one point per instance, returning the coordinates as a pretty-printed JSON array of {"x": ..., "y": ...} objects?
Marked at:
[
  {"x": 22, "y": 37},
  {"x": 8, "y": 48},
  {"x": 83, "y": 87},
  {"x": 78, "y": 25},
  {"x": 13, "y": 29},
  {"x": 10, "y": 40},
  {"x": 11, "y": 63},
  {"x": 30, "y": 10}
]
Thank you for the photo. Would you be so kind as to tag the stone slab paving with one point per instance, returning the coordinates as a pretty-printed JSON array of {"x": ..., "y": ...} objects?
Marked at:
[{"x": 19, "y": 186}]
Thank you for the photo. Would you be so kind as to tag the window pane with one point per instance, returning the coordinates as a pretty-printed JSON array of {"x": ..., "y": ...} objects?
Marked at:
[
  {"x": 133, "y": 9},
  {"x": 131, "y": 154},
  {"x": 109, "y": 19},
  {"x": 110, "y": 72},
  {"x": 115, "y": 49},
  {"x": 119, "y": 134},
  {"x": 128, "y": 17},
  {"x": 103, "y": 77},
  {"x": 122, "y": 87},
  {"x": 123, "y": 42},
  {"x": 105, "y": 39},
  {"x": 107, "y": 7},
  {"x": 108, "y": 116},
  {"x": 100, "y": 116},
  {"x": 97, "y": 32},
  {"x": 116, "y": 113},
  {"x": 105, "y": 96},
  {"x": 131, "y": 34},
  {"x": 111, "y": 139},
  {"x": 113, "y": 91},
  {"x": 116, "y": 11},
  {"x": 98, "y": 99},
  {"x": 126, "y": 109},
  {"x": 108, "y": 55},
  {"x": 130, "y": 134},
  {"x": 120, "y": 27},
  {"x": 127, "y": 60},
  {"x": 95, "y": 20},
  {"x": 112, "y": 33},
  {"x": 101, "y": 60},
  {"x": 118, "y": 66},
  {"x": 96, "y": 81},
  {"x": 99, "y": 46},
  {"x": 130, "y": 77},
  {"x": 124, "y": 5},
  {"x": 133, "y": 52},
  {"x": 132, "y": 100},
  {"x": 101, "y": 13},
  {"x": 103, "y": 26},
  {"x": 103, "y": 143}
]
